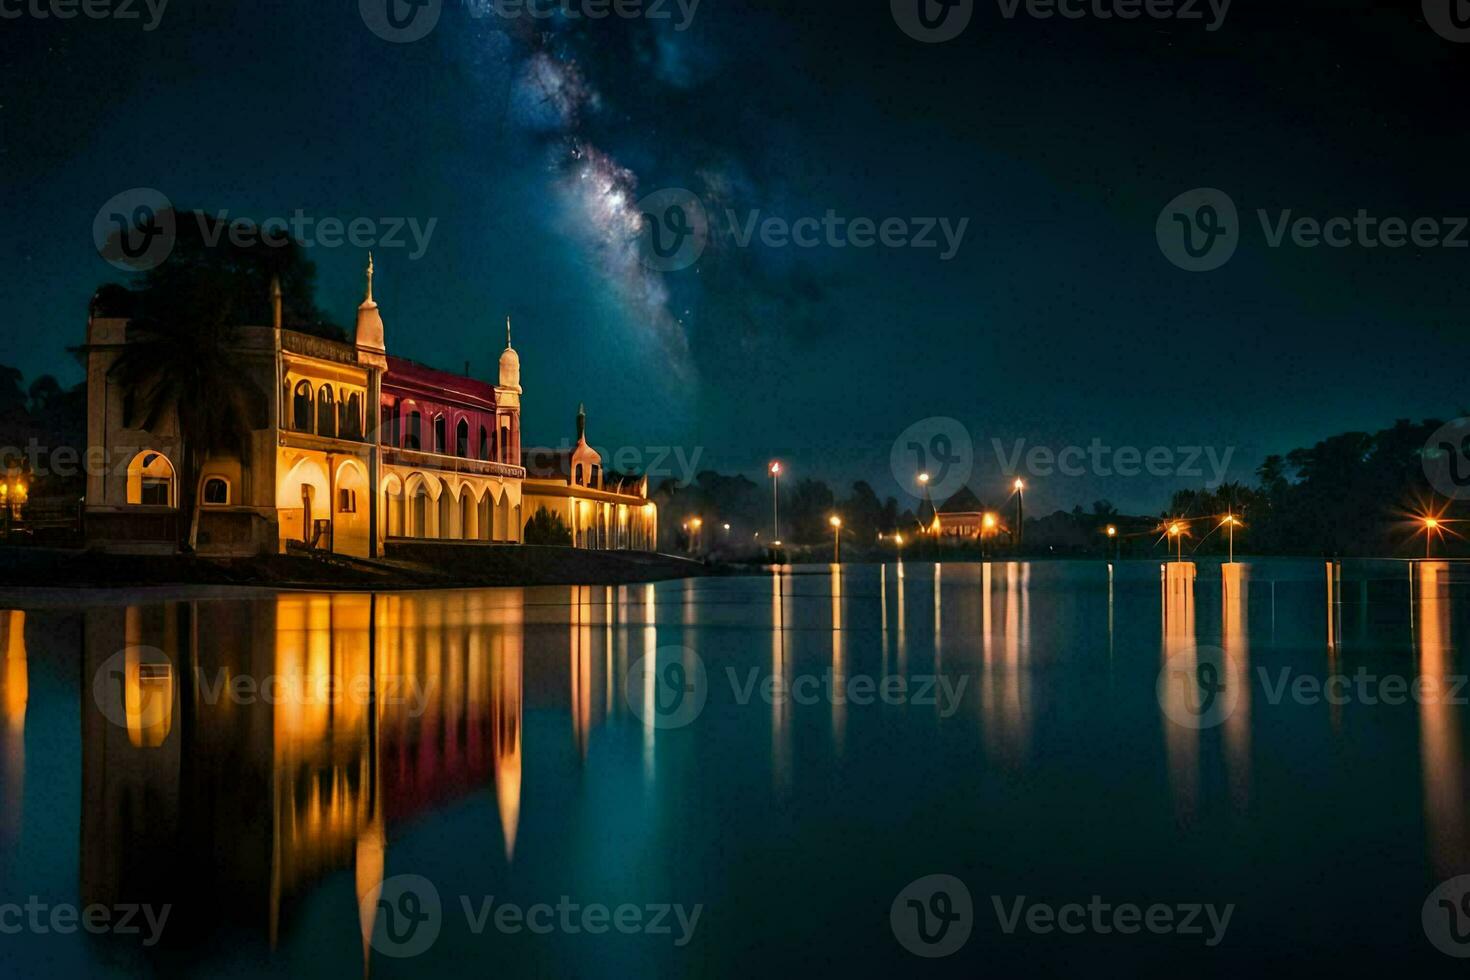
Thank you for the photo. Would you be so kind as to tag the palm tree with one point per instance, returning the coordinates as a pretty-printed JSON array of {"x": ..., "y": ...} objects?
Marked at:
[{"x": 180, "y": 359}]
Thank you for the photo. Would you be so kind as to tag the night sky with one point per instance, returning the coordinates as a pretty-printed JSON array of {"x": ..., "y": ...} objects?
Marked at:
[{"x": 1058, "y": 321}]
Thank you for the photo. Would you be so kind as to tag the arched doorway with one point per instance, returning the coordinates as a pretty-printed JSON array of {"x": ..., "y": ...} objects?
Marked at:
[{"x": 151, "y": 480}]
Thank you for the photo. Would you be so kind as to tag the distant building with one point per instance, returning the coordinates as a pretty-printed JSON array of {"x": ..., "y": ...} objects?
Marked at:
[
  {"x": 603, "y": 510},
  {"x": 354, "y": 449},
  {"x": 961, "y": 516}
]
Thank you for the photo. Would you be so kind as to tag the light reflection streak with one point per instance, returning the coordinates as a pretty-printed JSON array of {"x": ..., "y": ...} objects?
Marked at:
[
  {"x": 1440, "y": 747},
  {"x": 1181, "y": 744}
]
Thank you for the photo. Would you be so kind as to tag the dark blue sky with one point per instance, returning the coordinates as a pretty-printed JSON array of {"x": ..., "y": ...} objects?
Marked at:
[{"x": 1058, "y": 321}]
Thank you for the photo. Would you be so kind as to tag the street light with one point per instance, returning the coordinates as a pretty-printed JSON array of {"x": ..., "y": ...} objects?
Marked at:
[
  {"x": 987, "y": 527},
  {"x": 1231, "y": 521},
  {"x": 696, "y": 524},
  {"x": 775, "y": 470},
  {"x": 836, "y": 523},
  {"x": 1113, "y": 537},
  {"x": 924, "y": 483},
  {"x": 1431, "y": 529},
  {"x": 1176, "y": 531},
  {"x": 1020, "y": 488}
]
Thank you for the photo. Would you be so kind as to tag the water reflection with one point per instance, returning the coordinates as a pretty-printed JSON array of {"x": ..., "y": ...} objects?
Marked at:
[
  {"x": 14, "y": 694},
  {"x": 1440, "y": 747},
  {"x": 1179, "y": 651},
  {"x": 1235, "y": 640},
  {"x": 1004, "y": 687}
]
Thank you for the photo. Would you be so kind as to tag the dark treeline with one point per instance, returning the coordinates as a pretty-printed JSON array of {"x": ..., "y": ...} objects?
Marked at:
[{"x": 1352, "y": 494}]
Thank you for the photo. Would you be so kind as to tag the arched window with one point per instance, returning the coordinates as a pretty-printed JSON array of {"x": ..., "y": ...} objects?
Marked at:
[
  {"x": 595, "y": 475},
  {"x": 441, "y": 442},
  {"x": 415, "y": 431},
  {"x": 351, "y": 409},
  {"x": 419, "y": 513},
  {"x": 577, "y": 477},
  {"x": 326, "y": 412},
  {"x": 151, "y": 480},
  {"x": 462, "y": 439},
  {"x": 484, "y": 443},
  {"x": 216, "y": 491},
  {"x": 347, "y": 501},
  {"x": 301, "y": 407}
]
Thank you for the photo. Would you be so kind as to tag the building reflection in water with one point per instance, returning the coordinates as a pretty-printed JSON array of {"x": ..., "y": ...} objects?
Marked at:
[
  {"x": 14, "y": 695},
  {"x": 1235, "y": 640},
  {"x": 1181, "y": 744},
  {"x": 350, "y": 714},
  {"x": 1334, "y": 638},
  {"x": 1004, "y": 682},
  {"x": 1440, "y": 747}
]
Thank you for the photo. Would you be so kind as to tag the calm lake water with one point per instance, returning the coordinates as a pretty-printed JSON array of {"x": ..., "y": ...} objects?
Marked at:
[{"x": 740, "y": 776}]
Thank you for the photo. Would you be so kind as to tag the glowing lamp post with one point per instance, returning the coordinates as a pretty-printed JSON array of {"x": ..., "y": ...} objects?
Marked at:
[
  {"x": 775, "y": 471},
  {"x": 1231, "y": 521},
  {"x": 924, "y": 493},
  {"x": 1020, "y": 488},
  {"x": 696, "y": 524},
  {"x": 836, "y": 523},
  {"x": 987, "y": 528},
  {"x": 1431, "y": 528},
  {"x": 1113, "y": 537},
  {"x": 1176, "y": 531}
]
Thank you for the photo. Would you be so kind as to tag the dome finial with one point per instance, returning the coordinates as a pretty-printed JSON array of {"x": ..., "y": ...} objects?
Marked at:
[
  {"x": 507, "y": 331},
  {"x": 369, "y": 298}
]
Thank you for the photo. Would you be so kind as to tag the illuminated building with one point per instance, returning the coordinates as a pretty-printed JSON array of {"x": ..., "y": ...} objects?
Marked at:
[{"x": 352, "y": 449}]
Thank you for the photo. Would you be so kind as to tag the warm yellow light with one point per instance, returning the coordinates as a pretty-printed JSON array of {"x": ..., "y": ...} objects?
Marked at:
[
  {"x": 775, "y": 468},
  {"x": 697, "y": 523},
  {"x": 776, "y": 543},
  {"x": 988, "y": 521},
  {"x": 727, "y": 527},
  {"x": 1112, "y": 531},
  {"x": 898, "y": 540},
  {"x": 1175, "y": 528},
  {"x": 1020, "y": 485},
  {"x": 924, "y": 479},
  {"x": 1431, "y": 523},
  {"x": 835, "y": 521}
]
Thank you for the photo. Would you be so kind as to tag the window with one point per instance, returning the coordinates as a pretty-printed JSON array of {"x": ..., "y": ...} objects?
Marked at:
[
  {"x": 155, "y": 491},
  {"x": 415, "y": 431},
  {"x": 505, "y": 442},
  {"x": 326, "y": 412},
  {"x": 484, "y": 443},
  {"x": 577, "y": 479},
  {"x": 440, "y": 442},
  {"x": 217, "y": 491},
  {"x": 595, "y": 475},
  {"x": 351, "y": 411},
  {"x": 462, "y": 438},
  {"x": 347, "y": 501},
  {"x": 301, "y": 407}
]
